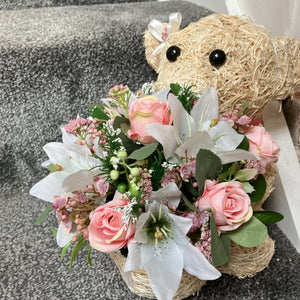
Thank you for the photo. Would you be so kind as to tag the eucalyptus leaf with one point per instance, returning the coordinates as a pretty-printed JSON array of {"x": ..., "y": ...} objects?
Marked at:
[
  {"x": 245, "y": 174},
  {"x": 248, "y": 188},
  {"x": 260, "y": 187},
  {"x": 43, "y": 216},
  {"x": 64, "y": 250},
  {"x": 208, "y": 166},
  {"x": 268, "y": 217},
  {"x": 190, "y": 205},
  {"x": 250, "y": 234},
  {"x": 99, "y": 114},
  {"x": 143, "y": 152},
  {"x": 75, "y": 251},
  {"x": 220, "y": 245}
]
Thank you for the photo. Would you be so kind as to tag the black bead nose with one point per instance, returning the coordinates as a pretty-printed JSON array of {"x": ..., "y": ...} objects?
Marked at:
[{"x": 217, "y": 58}]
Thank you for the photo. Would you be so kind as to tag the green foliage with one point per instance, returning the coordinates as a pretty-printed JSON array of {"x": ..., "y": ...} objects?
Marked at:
[
  {"x": 143, "y": 152},
  {"x": 76, "y": 249},
  {"x": 260, "y": 187},
  {"x": 245, "y": 174},
  {"x": 64, "y": 250},
  {"x": 268, "y": 217},
  {"x": 250, "y": 234},
  {"x": 155, "y": 161},
  {"x": 208, "y": 166},
  {"x": 54, "y": 231},
  {"x": 99, "y": 114},
  {"x": 245, "y": 106},
  {"x": 89, "y": 256},
  {"x": 43, "y": 216},
  {"x": 185, "y": 95},
  {"x": 189, "y": 204},
  {"x": 220, "y": 245},
  {"x": 244, "y": 145}
]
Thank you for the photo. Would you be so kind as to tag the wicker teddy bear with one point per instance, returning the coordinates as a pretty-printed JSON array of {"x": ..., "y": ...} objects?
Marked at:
[{"x": 243, "y": 63}]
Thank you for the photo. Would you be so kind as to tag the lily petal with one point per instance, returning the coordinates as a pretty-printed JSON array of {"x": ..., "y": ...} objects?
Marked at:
[
  {"x": 163, "y": 265},
  {"x": 235, "y": 155},
  {"x": 206, "y": 108},
  {"x": 198, "y": 140},
  {"x": 169, "y": 193},
  {"x": 49, "y": 186},
  {"x": 165, "y": 135},
  {"x": 63, "y": 238}
]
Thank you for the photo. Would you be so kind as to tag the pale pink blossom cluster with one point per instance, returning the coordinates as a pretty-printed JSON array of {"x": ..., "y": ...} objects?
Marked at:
[{"x": 77, "y": 126}]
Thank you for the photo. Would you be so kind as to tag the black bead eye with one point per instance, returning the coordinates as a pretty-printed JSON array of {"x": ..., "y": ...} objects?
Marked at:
[
  {"x": 217, "y": 58},
  {"x": 172, "y": 53}
]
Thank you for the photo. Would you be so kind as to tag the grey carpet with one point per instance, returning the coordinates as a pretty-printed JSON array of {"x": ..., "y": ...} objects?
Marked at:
[
  {"x": 23, "y": 4},
  {"x": 53, "y": 61}
]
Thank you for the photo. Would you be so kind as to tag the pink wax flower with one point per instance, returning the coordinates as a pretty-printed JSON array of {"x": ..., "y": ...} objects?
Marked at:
[
  {"x": 144, "y": 111},
  {"x": 230, "y": 204},
  {"x": 101, "y": 186},
  {"x": 261, "y": 144},
  {"x": 107, "y": 232},
  {"x": 187, "y": 170}
]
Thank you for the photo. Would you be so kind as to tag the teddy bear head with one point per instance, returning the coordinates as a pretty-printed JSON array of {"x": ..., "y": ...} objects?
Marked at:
[{"x": 229, "y": 53}]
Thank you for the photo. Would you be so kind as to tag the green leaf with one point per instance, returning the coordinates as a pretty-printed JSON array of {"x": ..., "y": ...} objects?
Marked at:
[
  {"x": 52, "y": 168},
  {"x": 191, "y": 206},
  {"x": 245, "y": 174},
  {"x": 260, "y": 187},
  {"x": 43, "y": 216},
  {"x": 244, "y": 145},
  {"x": 220, "y": 245},
  {"x": 64, "y": 250},
  {"x": 268, "y": 217},
  {"x": 250, "y": 234},
  {"x": 175, "y": 88},
  {"x": 89, "y": 256},
  {"x": 130, "y": 145},
  {"x": 248, "y": 188},
  {"x": 144, "y": 152},
  {"x": 208, "y": 166},
  {"x": 75, "y": 251},
  {"x": 98, "y": 113},
  {"x": 54, "y": 231}
]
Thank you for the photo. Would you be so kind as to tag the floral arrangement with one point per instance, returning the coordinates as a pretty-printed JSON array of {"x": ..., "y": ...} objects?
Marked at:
[{"x": 162, "y": 178}]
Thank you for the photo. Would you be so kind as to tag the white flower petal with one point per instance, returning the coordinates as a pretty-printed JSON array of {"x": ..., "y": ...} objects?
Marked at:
[
  {"x": 78, "y": 180},
  {"x": 69, "y": 142},
  {"x": 164, "y": 266},
  {"x": 196, "y": 264},
  {"x": 183, "y": 122},
  {"x": 56, "y": 151},
  {"x": 49, "y": 186},
  {"x": 182, "y": 226},
  {"x": 198, "y": 140},
  {"x": 133, "y": 261},
  {"x": 165, "y": 135},
  {"x": 206, "y": 108},
  {"x": 140, "y": 234},
  {"x": 63, "y": 238},
  {"x": 162, "y": 94},
  {"x": 169, "y": 193},
  {"x": 235, "y": 155},
  {"x": 225, "y": 137}
]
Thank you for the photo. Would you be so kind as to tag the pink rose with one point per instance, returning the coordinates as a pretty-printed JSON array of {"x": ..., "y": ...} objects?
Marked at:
[
  {"x": 261, "y": 144},
  {"x": 144, "y": 111},
  {"x": 107, "y": 231},
  {"x": 230, "y": 204}
]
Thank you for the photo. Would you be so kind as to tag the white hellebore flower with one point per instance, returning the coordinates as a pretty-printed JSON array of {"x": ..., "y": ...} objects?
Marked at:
[
  {"x": 163, "y": 250},
  {"x": 73, "y": 163},
  {"x": 198, "y": 130}
]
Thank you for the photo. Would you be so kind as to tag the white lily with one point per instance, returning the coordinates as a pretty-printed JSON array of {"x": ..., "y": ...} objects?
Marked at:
[
  {"x": 73, "y": 173},
  {"x": 198, "y": 130},
  {"x": 163, "y": 250}
]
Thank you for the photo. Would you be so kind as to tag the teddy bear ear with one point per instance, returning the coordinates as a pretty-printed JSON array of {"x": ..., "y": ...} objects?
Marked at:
[
  {"x": 287, "y": 50},
  {"x": 151, "y": 44}
]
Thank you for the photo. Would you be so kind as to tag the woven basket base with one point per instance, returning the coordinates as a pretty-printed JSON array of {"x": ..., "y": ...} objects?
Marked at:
[
  {"x": 246, "y": 262},
  {"x": 189, "y": 285}
]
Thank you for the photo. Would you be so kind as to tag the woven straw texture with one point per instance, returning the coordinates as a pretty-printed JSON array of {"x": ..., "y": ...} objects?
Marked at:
[{"x": 258, "y": 69}]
